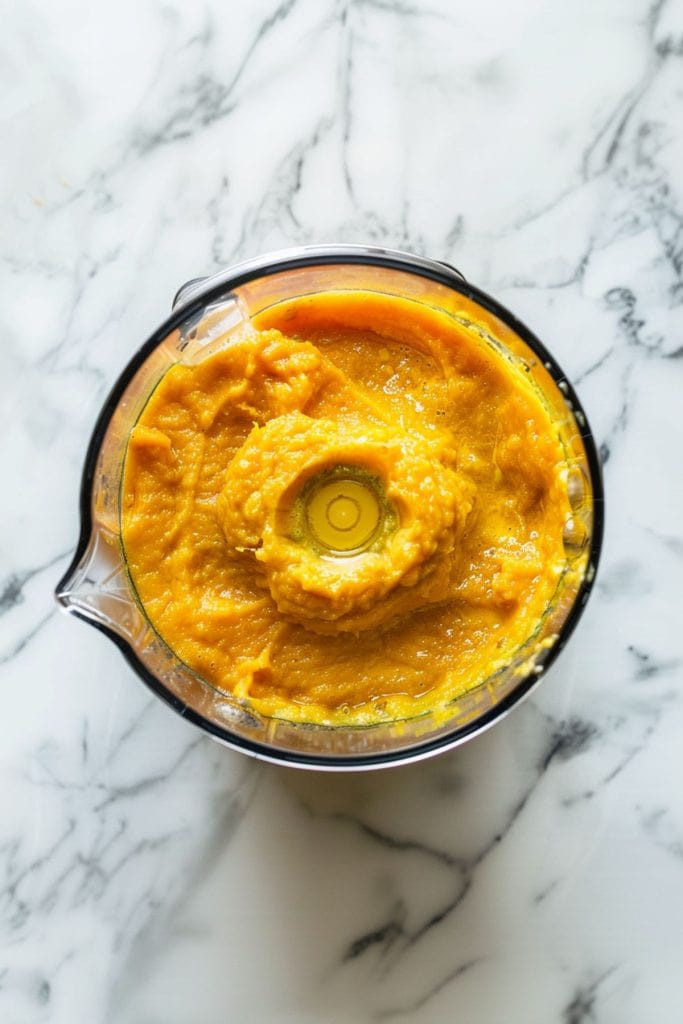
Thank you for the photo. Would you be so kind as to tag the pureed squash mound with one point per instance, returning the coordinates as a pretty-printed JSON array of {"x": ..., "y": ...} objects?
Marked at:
[{"x": 351, "y": 512}]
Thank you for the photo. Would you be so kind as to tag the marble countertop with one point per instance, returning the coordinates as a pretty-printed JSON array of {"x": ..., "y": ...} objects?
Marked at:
[{"x": 149, "y": 876}]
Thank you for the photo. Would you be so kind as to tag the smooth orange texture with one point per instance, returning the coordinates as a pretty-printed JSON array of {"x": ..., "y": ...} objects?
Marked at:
[{"x": 457, "y": 451}]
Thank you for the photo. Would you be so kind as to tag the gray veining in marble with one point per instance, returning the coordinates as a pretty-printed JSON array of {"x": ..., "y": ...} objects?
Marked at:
[{"x": 148, "y": 876}]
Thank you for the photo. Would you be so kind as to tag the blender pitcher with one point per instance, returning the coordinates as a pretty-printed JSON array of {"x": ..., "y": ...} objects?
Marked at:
[{"x": 98, "y": 589}]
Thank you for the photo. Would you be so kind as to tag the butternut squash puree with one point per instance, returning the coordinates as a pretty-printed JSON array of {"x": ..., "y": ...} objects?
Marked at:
[{"x": 350, "y": 513}]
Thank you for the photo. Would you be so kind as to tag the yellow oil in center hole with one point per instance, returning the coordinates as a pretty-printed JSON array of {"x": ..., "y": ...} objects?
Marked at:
[{"x": 343, "y": 515}]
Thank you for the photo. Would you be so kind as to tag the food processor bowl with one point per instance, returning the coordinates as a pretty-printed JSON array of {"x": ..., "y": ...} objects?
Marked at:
[{"x": 98, "y": 589}]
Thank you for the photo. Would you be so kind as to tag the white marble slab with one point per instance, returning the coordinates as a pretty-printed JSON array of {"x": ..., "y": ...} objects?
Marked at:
[{"x": 148, "y": 876}]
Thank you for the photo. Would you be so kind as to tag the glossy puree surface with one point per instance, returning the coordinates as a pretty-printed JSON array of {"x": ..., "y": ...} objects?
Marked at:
[{"x": 352, "y": 511}]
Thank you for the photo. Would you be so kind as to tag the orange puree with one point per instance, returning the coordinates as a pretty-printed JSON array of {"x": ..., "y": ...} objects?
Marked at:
[{"x": 350, "y": 512}]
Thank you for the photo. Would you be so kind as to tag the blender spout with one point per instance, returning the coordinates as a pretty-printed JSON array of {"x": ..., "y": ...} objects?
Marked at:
[{"x": 96, "y": 588}]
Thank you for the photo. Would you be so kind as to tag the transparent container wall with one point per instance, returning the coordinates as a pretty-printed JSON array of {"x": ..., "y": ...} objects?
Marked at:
[{"x": 100, "y": 589}]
